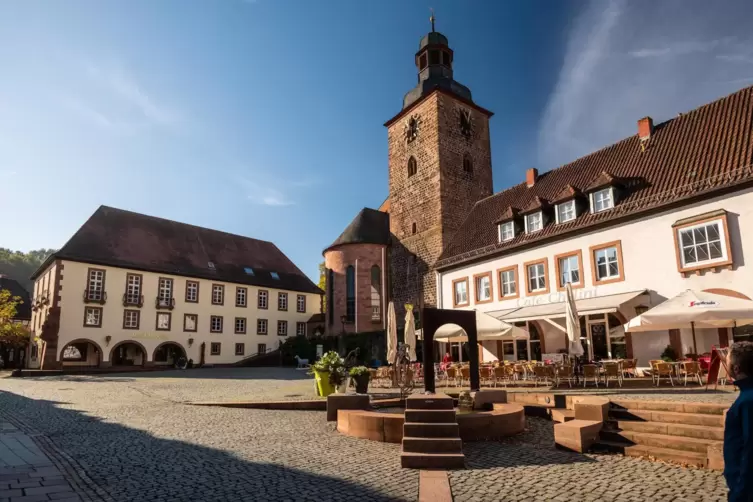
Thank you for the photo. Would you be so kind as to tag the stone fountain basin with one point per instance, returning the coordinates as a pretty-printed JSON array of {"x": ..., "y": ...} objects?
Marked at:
[{"x": 386, "y": 425}]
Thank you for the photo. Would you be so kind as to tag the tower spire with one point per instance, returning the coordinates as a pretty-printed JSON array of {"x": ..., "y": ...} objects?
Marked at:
[{"x": 432, "y": 19}]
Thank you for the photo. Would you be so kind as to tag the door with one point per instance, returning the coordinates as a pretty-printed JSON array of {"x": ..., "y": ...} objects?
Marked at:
[{"x": 599, "y": 344}]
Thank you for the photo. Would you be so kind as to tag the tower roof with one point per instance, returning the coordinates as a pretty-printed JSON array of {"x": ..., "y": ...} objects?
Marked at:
[{"x": 368, "y": 227}]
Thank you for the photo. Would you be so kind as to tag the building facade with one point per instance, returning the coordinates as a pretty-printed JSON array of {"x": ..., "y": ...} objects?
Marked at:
[
  {"x": 630, "y": 225},
  {"x": 133, "y": 290}
]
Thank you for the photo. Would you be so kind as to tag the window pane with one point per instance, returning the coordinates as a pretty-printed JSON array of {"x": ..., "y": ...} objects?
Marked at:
[
  {"x": 601, "y": 270},
  {"x": 575, "y": 276},
  {"x": 715, "y": 250},
  {"x": 713, "y": 231},
  {"x": 703, "y": 252},
  {"x": 699, "y": 234},
  {"x": 689, "y": 255},
  {"x": 686, "y": 238},
  {"x": 614, "y": 269}
]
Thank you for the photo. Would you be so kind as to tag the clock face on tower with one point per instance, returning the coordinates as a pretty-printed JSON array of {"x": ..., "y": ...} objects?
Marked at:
[
  {"x": 465, "y": 123},
  {"x": 411, "y": 128}
]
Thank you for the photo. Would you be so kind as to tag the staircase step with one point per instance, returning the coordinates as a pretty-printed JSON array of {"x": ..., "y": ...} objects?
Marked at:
[
  {"x": 691, "y": 431},
  {"x": 429, "y": 402},
  {"x": 413, "y": 460},
  {"x": 562, "y": 415},
  {"x": 668, "y": 417},
  {"x": 433, "y": 445},
  {"x": 658, "y": 440},
  {"x": 666, "y": 454},
  {"x": 671, "y": 406},
  {"x": 430, "y": 416},
  {"x": 431, "y": 430}
]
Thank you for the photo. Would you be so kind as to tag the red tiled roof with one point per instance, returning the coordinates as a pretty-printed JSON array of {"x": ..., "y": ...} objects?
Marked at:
[
  {"x": 601, "y": 181},
  {"x": 125, "y": 239},
  {"x": 704, "y": 151},
  {"x": 567, "y": 193},
  {"x": 535, "y": 204}
]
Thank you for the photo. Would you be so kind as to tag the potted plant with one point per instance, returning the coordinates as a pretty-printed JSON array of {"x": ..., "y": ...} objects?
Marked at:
[
  {"x": 328, "y": 372},
  {"x": 669, "y": 355},
  {"x": 361, "y": 375}
]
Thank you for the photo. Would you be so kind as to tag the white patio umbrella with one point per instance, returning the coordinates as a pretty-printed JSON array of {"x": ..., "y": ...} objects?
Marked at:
[
  {"x": 487, "y": 328},
  {"x": 410, "y": 332},
  {"x": 572, "y": 322},
  {"x": 391, "y": 333},
  {"x": 694, "y": 309}
]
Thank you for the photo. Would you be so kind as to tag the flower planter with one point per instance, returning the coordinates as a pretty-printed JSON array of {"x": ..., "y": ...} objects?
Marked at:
[
  {"x": 323, "y": 386},
  {"x": 362, "y": 383}
]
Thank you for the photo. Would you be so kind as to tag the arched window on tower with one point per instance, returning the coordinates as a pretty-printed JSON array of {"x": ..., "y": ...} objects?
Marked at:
[
  {"x": 467, "y": 164},
  {"x": 350, "y": 293},
  {"x": 330, "y": 305},
  {"x": 376, "y": 293},
  {"x": 412, "y": 166},
  {"x": 414, "y": 228}
]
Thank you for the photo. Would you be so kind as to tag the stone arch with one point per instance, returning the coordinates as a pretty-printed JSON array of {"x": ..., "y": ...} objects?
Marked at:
[
  {"x": 727, "y": 292},
  {"x": 164, "y": 344},
  {"x": 144, "y": 353},
  {"x": 412, "y": 166},
  {"x": 98, "y": 348},
  {"x": 542, "y": 338}
]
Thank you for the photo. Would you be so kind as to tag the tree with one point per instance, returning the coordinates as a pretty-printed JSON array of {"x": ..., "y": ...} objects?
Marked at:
[
  {"x": 12, "y": 333},
  {"x": 323, "y": 284},
  {"x": 20, "y": 266}
]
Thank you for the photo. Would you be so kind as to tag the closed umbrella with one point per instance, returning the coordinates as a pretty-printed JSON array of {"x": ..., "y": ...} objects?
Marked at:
[
  {"x": 572, "y": 323},
  {"x": 410, "y": 332},
  {"x": 391, "y": 333}
]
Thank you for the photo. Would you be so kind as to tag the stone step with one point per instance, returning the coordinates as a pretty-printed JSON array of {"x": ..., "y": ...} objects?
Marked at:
[
  {"x": 671, "y": 406},
  {"x": 432, "y": 460},
  {"x": 561, "y": 415},
  {"x": 429, "y": 402},
  {"x": 668, "y": 417},
  {"x": 432, "y": 445},
  {"x": 431, "y": 430},
  {"x": 666, "y": 454},
  {"x": 658, "y": 440},
  {"x": 430, "y": 416},
  {"x": 691, "y": 431}
]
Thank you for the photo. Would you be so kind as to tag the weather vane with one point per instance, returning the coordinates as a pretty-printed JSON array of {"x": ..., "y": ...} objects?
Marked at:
[{"x": 431, "y": 18}]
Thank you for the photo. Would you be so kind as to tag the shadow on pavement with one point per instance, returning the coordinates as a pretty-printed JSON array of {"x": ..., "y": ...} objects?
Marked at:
[{"x": 133, "y": 465}]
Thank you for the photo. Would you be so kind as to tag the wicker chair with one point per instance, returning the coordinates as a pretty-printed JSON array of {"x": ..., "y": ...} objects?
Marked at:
[
  {"x": 612, "y": 371},
  {"x": 541, "y": 374},
  {"x": 590, "y": 371},
  {"x": 664, "y": 370},
  {"x": 451, "y": 374},
  {"x": 692, "y": 369},
  {"x": 565, "y": 373}
]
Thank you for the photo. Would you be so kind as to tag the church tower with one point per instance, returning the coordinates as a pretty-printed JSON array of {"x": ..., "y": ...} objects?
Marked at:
[{"x": 439, "y": 167}]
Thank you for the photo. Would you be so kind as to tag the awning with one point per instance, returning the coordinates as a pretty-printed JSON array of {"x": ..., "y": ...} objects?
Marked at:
[{"x": 596, "y": 305}]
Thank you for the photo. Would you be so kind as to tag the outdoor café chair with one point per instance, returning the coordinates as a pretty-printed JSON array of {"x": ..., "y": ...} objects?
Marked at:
[
  {"x": 654, "y": 373},
  {"x": 465, "y": 375},
  {"x": 664, "y": 370},
  {"x": 450, "y": 373},
  {"x": 692, "y": 369},
  {"x": 541, "y": 374},
  {"x": 565, "y": 372},
  {"x": 590, "y": 371},
  {"x": 500, "y": 374},
  {"x": 612, "y": 371}
]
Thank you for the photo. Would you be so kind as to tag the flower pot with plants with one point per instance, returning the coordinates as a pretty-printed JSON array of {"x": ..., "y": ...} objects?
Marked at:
[
  {"x": 361, "y": 375},
  {"x": 329, "y": 373}
]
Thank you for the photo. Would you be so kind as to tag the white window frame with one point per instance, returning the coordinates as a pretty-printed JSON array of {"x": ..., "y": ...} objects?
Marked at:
[
  {"x": 616, "y": 261},
  {"x": 259, "y": 347},
  {"x": 301, "y": 304},
  {"x": 241, "y": 297},
  {"x": 212, "y": 345},
  {"x": 300, "y": 328},
  {"x": 243, "y": 349},
  {"x": 195, "y": 319},
  {"x": 192, "y": 291},
  {"x": 529, "y": 276},
  {"x": 212, "y": 320},
  {"x": 528, "y": 220},
  {"x": 478, "y": 284},
  {"x": 262, "y": 326},
  {"x": 564, "y": 268},
  {"x": 282, "y": 301},
  {"x": 610, "y": 198},
  {"x": 566, "y": 207},
  {"x": 162, "y": 316},
  {"x": 242, "y": 321},
  {"x": 282, "y": 328},
  {"x": 505, "y": 283},
  {"x": 719, "y": 223},
  {"x": 263, "y": 299},
  {"x": 506, "y": 231},
  {"x": 455, "y": 292},
  {"x": 131, "y": 319},
  {"x": 98, "y": 311},
  {"x": 95, "y": 284},
  {"x": 133, "y": 288},
  {"x": 165, "y": 290},
  {"x": 218, "y": 294}
]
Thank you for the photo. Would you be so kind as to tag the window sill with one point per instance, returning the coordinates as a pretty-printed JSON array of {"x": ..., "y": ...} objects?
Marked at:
[
  {"x": 608, "y": 280},
  {"x": 579, "y": 285},
  {"x": 713, "y": 267},
  {"x": 509, "y": 297},
  {"x": 538, "y": 292},
  {"x": 481, "y": 302}
]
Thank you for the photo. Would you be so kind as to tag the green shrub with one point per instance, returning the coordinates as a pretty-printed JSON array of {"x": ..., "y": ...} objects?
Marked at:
[
  {"x": 358, "y": 371},
  {"x": 669, "y": 355}
]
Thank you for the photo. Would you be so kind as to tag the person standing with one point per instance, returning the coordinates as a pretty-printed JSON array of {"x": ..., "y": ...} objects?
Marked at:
[{"x": 738, "y": 428}]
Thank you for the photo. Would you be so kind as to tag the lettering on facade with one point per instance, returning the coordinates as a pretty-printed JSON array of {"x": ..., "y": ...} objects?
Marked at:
[
  {"x": 151, "y": 336},
  {"x": 557, "y": 297}
]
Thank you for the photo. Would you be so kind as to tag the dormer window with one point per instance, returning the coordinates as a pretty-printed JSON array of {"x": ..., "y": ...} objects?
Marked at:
[
  {"x": 275, "y": 275},
  {"x": 506, "y": 231},
  {"x": 601, "y": 200},
  {"x": 566, "y": 211},
  {"x": 249, "y": 270},
  {"x": 534, "y": 222}
]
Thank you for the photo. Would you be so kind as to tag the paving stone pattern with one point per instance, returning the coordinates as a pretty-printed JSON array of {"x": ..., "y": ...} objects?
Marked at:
[
  {"x": 131, "y": 437},
  {"x": 529, "y": 468},
  {"x": 135, "y": 442}
]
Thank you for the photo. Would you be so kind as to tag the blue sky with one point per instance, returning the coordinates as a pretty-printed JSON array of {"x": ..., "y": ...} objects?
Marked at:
[{"x": 264, "y": 117}]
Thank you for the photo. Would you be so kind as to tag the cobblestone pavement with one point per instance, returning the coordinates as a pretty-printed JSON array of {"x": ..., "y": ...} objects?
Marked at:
[
  {"x": 131, "y": 437},
  {"x": 528, "y": 467},
  {"x": 136, "y": 443}
]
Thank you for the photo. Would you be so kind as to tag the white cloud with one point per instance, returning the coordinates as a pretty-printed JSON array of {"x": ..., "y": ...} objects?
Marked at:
[
  {"x": 624, "y": 61},
  {"x": 267, "y": 191}
]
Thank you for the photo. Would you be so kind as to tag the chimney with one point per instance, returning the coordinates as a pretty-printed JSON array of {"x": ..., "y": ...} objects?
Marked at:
[
  {"x": 532, "y": 174},
  {"x": 645, "y": 128}
]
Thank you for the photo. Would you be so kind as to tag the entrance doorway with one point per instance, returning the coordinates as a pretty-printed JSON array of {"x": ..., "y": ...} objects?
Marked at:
[
  {"x": 168, "y": 354},
  {"x": 128, "y": 354}
]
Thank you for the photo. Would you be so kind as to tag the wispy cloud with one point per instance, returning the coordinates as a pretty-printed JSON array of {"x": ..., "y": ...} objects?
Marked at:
[
  {"x": 265, "y": 190},
  {"x": 623, "y": 62}
]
